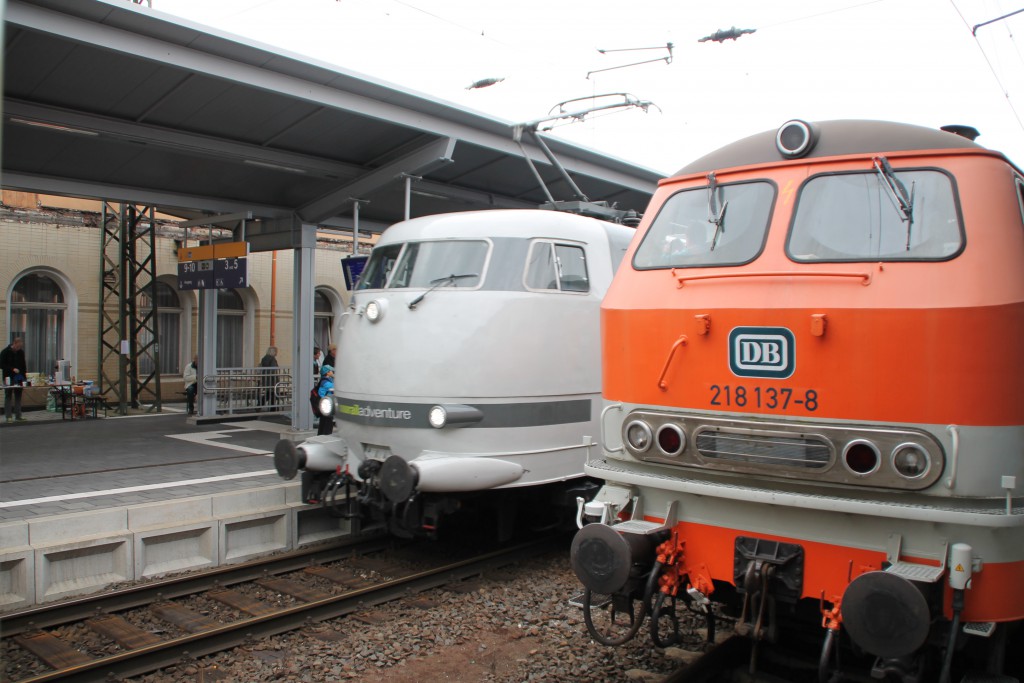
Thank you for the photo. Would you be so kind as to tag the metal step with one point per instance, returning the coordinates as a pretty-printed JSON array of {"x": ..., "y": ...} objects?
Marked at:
[
  {"x": 923, "y": 573},
  {"x": 635, "y": 526},
  {"x": 980, "y": 628},
  {"x": 597, "y": 600},
  {"x": 988, "y": 678}
]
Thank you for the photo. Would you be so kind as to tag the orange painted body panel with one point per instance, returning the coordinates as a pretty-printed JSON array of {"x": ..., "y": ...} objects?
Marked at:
[
  {"x": 931, "y": 366},
  {"x": 996, "y": 594}
]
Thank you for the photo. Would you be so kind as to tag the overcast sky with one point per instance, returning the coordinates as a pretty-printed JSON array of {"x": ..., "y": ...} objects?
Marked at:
[{"x": 914, "y": 61}]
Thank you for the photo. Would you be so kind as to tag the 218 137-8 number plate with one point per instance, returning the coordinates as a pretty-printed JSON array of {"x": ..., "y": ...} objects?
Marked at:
[{"x": 764, "y": 398}]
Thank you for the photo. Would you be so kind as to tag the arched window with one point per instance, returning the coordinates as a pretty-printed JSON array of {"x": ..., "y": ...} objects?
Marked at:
[
  {"x": 323, "y": 320},
  {"x": 169, "y": 329},
  {"x": 230, "y": 329},
  {"x": 37, "y": 315}
]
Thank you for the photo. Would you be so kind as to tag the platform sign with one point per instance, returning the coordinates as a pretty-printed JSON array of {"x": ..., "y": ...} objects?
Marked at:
[
  {"x": 198, "y": 253},
  {"x": 195, "y": 275},
  {"x": 213, "y": 266},
  {"x": 230, "y": 273},
  {"x": 207, "y": 252},
  {"x": 352, "y": 267}
]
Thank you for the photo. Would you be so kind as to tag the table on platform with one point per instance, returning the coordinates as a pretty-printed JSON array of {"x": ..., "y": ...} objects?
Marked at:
[{"x": 75, "y": 403}]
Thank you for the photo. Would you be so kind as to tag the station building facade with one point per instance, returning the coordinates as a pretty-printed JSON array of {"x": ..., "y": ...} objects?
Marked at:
[{"x": 51, "y": 290}]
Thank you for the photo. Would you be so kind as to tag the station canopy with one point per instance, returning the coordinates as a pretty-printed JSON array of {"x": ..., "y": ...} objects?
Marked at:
[{"x": 111, "y": 100}]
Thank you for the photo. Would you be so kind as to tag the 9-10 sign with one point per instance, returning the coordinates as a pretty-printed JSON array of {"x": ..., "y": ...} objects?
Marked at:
[{"x": 217, "y": 266}]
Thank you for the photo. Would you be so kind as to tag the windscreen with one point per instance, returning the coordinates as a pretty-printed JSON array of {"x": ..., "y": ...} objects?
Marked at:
[
  {"x": 862, "y": 217},
  {"x": 711, "y": 226},
  {"x": 424, "y": 264}
]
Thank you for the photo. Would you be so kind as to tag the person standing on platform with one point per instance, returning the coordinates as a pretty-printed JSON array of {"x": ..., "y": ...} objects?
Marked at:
[
  {"x": 318, "y": 360},
  {"x": 329, "y": 358},
  {"x": 191, "y": 376},
  {"x": 325, "y": 388},
  {"x": 269, "y": 379},
  {"x": 12, "y": 360}
]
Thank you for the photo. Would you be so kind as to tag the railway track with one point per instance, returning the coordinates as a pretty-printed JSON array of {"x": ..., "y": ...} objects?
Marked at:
[
  {"x": 112, "y": 636},
  {"x": 736, "y": 659}
]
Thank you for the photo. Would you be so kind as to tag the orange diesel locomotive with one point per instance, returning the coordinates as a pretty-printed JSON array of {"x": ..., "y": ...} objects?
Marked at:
[{"x": 813, "y": 359}]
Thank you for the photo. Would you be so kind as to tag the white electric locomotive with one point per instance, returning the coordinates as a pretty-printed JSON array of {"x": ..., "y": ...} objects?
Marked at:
[{"x": 468, "y": 378}]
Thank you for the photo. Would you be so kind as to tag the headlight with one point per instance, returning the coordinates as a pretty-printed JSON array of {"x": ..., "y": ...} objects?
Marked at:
[
  {"x": 437, "y": 417},
  {"x": 375, "y": 310},
  {"x": 671, "y": 439},
  {"x": 326, "y": 406},
  {"x": 910, "y": 461},
  {"x": 638, "y": 436},
  {"x": 795, "y": 139},
  {"x": 861, "y": 457},
  {"x": 453, "y": 415}
]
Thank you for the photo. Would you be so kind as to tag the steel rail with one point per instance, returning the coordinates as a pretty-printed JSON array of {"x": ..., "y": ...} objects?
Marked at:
[
  {"x": 174, "y": 651},
  {"x": 710, "y": 666},
  {"x": 47, "y": 616}
]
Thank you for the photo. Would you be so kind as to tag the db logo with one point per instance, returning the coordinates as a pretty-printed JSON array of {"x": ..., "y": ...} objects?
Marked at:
[{"x": 762, "y": 352}]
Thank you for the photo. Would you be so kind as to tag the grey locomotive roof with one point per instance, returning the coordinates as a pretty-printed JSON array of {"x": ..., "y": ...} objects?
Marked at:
[
  {"x": 834, "y": 138},
  {"x": 501, "y": 223}
]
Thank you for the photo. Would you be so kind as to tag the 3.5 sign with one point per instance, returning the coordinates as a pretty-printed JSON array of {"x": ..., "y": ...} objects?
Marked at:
[{"x": 231, "y": 273}]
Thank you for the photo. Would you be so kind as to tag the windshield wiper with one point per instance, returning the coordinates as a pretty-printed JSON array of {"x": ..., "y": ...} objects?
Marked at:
[
  {"x": 715, "y": 217},
  {"x": 901, "y": 199},
  {"x": 441, "y": 281}
]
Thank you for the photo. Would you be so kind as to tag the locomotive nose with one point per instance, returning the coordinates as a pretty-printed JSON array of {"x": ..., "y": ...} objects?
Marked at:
[
  {"x": 885, "y": 614},
  {"x": 603, "y": 559}
]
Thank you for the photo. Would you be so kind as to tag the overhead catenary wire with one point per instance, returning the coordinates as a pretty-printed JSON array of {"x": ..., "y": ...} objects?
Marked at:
[
  {"x": 974, "y": 29},
  {"x": 988, "y": 61}
]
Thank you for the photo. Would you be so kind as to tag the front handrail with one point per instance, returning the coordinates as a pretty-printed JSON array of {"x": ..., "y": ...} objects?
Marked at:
[
  {"x": 683, "y": 279},
  {"x": 662, "y": 384},
  {"x": 604, "y": 438}
]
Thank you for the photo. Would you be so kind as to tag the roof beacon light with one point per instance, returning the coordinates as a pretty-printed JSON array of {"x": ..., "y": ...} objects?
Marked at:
[{"x": 795, "y": 139}]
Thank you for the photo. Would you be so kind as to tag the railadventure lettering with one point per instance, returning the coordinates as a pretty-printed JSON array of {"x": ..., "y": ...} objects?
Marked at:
[{"x": 375, "y": 413}]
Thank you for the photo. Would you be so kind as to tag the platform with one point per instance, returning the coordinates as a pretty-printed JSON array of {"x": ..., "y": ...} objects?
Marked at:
[{"x": 94, "y": 502}]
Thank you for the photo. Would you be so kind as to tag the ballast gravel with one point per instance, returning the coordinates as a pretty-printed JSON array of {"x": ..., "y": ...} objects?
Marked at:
[{"x": 514, "y": 624}]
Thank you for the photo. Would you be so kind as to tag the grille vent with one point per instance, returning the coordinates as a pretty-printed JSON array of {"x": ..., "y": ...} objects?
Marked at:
[{"x": 767, "y": 450}]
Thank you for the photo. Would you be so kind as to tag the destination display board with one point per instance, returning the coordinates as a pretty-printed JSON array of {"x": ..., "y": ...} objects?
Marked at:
[
  {"x": 352, "y": 267},
  {"x": 195, "y": 275},
  {"x": 213, "y": 266},
  {"x": 230, "y": 273}
]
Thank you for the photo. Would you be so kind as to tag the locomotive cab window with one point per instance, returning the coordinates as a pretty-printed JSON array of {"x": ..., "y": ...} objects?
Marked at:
[
  {"x": 717, "y": 225},
  {"x": 451, "y": 263},
  {"x": 882, "y": 215},
  {"x": 379, "y": 267},
  {"x": 557, "y": 267},
  {"x": 1020, "y": 197}
]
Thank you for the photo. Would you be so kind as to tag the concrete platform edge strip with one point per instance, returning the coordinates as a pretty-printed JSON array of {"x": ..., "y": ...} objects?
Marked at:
[{"x": 52, "y": 558}]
